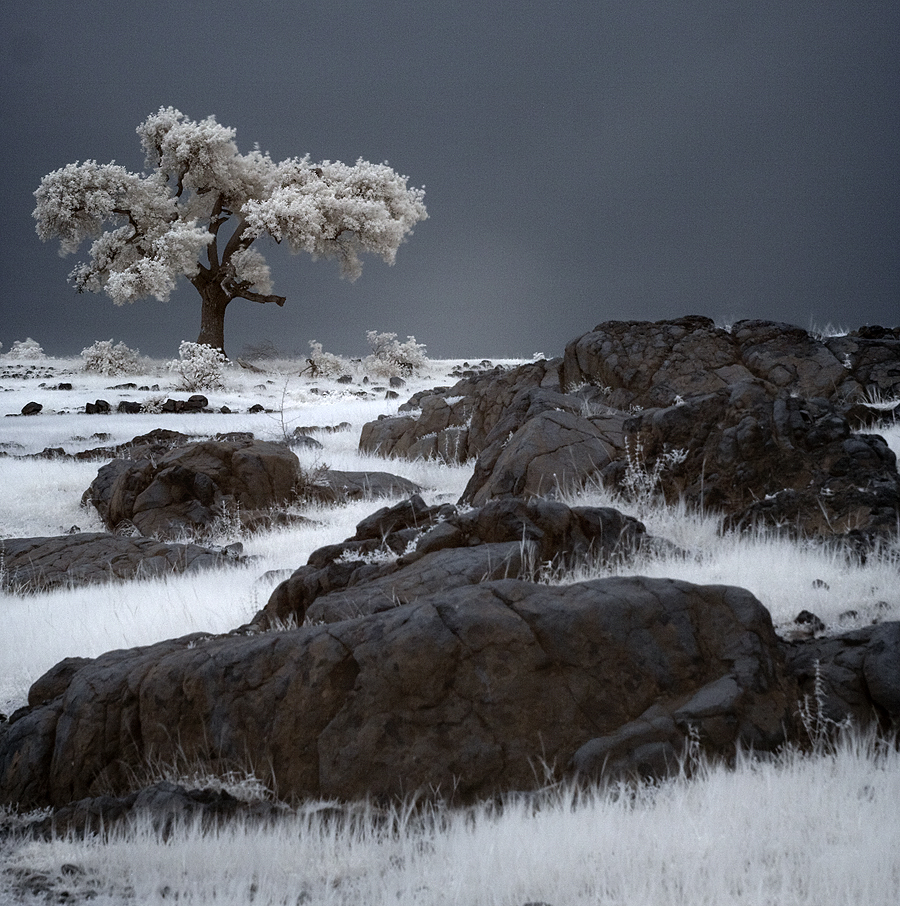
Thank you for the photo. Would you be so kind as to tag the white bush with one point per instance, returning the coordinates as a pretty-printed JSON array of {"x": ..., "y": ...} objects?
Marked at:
[
  {"x": 105, "y": 358},
  {"x": 392, "y": 359},
  {"x": 200, "y": 367},
  {"x": 25, "y": 349},
  {"x": 325, "y": 364}
]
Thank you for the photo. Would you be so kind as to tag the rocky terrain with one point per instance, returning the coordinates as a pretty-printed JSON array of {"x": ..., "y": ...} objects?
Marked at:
[{"x": 428, "y": 652}]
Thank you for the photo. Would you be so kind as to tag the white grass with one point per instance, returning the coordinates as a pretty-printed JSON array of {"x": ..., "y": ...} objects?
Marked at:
[
  {"x": 796, "y": 830},
  {"x": 787, "y": 576},
  {"x": 791, "y": 831}
]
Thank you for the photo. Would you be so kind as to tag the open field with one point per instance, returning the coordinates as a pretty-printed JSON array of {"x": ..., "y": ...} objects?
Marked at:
[{"x": 796, "y": 829}]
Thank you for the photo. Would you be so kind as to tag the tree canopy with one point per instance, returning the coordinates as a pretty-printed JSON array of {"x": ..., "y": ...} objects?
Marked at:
[{"x": 201, "y": 204}]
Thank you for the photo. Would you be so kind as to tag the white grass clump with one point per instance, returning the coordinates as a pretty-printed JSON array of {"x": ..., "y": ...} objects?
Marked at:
[
  {"x": 794, "y": 830},
  {"x": 104, "y": 358},
  {"x": 200, "y": 367}
]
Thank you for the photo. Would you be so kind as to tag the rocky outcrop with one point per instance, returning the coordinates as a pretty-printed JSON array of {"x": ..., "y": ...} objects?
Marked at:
[
  {"x": 187, "y": 489},
  {"x": 39, "y": 564},
  {"x": 459, "y": 694},
  {"x": 853, "y": 677},
  {"x": 409, "y": 551},
  {"x": 453, "y": 423},
  {"x": 756, "y": 422},
  {"x": 651, "y": 363}
]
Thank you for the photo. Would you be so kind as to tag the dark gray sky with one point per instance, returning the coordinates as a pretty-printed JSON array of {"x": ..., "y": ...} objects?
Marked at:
[{"x": 583, "y": 160}]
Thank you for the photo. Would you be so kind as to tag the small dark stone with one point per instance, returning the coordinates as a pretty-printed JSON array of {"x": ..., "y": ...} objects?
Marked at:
[
  {"x": 31, "y": 408},
  {"x": 345, "y": 379},
  {"x": 806, "y": 618},
  {"x": 255, "y": 408}
]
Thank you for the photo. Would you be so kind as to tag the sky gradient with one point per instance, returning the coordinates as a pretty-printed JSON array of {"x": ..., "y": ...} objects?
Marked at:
[{"x": 582, "y": 161}]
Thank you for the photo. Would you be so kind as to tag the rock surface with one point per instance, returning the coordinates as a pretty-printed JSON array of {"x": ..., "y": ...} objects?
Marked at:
[
  {"x": 166, "y": 487},
  {"x": 410, "y": 550},
  {"x": 39, "y": 564},
  {"x": 756, "y": 422},
  {"x": 459, "y": 694}
]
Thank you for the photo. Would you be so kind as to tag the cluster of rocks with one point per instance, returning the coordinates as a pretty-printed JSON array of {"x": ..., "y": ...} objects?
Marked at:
[
  {"x": 404, "y": 552},
  {"x": 432, "y": 651},
  {"x": 757, "y": 423}
]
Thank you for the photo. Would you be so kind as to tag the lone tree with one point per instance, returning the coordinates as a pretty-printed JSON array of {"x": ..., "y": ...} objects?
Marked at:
[{"x": 200, "y": 207}]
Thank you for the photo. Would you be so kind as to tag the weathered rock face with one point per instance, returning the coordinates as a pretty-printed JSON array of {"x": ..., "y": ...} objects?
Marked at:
[
  {"x": 460, "y": 693},
  {"x": 779, "y": 460},
  {"x": 39, "y": 564},
  {"x": 651, "y": 363},
  {"x": 454, "y": 423},
  {"x": 857, "y": 674},
  {"x": 187, "y": 489},
  {"x": 409, "y": 551},
  {"x": 752, "y": 422}
]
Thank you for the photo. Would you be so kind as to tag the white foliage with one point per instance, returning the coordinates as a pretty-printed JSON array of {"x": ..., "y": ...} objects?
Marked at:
[
  {"x": 392, "y": 359},
  {"x": 325, "y": 364},
  {"x": 105, "y": 358},
  {"x": 200, "y": 367},
  {"x": 25, "y": 349},
  {"x": 148, "y": 229}
]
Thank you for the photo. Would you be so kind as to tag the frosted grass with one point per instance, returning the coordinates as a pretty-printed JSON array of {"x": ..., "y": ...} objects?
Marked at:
[
  {"x": 793, "y": 830},
  {"x": 786, "y": 576}
]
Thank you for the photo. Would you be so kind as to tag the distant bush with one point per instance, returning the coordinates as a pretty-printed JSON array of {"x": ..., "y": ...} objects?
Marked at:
[
  {"x": 200, "y": 367},
  {"x": 325, "y": 364},
  {"x": 25, "y": 349},
  {"x": 105, "y": 358},
  {"x": 392, "y": 359}
]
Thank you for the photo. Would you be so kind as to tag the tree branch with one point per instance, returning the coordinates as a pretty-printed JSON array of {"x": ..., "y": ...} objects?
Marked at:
[
  {"x": 247, "y": 293},
  {"x": 237, "y": 241}
]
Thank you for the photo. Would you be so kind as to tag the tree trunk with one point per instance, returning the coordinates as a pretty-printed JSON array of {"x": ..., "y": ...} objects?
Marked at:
[{"x": 212, "y": 315}]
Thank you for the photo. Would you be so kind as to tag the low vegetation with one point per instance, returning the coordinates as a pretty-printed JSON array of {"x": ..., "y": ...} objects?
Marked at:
[{"x": 797, "y": 828}]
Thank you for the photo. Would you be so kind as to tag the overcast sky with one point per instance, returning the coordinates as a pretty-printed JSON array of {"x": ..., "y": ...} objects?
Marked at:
[{"x": 583, "y": 160}]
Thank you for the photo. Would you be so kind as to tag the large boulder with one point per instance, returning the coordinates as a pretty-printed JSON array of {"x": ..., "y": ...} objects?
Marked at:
[
  {"x": 409, "y": 551},
  {"x": 64, "y": 561},
  {"x": 185, "y": 491},
  {"x": 461, "y": 693},
  {"x": 453, "y": 423},
  {"x": 167, "y": 486},
  {"x": 652, "y": 363}
]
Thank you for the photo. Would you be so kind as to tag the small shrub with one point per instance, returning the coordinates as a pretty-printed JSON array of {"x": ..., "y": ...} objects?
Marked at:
[
  {"x": 25, "y": 349},
  {"x": 325, "y": 364},
  {"x": 640, "y": 481},
  {"x": 105, "y": 358},
  {"x": 200, "y": 367},
  {"x": 392, "y": 359}
]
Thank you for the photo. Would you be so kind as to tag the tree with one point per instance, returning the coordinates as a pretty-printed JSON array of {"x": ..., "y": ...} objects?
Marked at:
[{"x": 200, "y": 207}]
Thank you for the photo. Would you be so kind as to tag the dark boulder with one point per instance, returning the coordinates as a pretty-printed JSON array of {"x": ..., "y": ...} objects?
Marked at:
[
  {"x": 405, "y": 552},
  {"x": 459, "y": 694},
  {"x": 39, "y": 564},
  {"x": 187, "y": 489}
]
